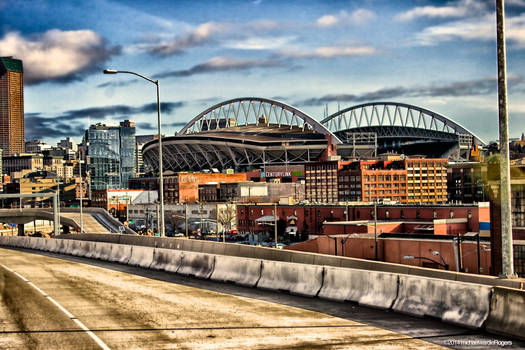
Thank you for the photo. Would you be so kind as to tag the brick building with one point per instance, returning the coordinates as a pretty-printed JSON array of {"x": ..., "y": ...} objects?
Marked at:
[
  {"x": 412, "y": 180},
  {"x": 310, "y": 219}
]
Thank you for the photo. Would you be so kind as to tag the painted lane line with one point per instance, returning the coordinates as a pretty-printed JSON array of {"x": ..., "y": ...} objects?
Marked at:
[{"x": 61, "y": 308}]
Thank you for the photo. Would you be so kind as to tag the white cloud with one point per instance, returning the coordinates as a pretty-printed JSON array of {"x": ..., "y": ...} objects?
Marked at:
[
  {"x": 483, "y": 28},
  {"x": 259, "y": 43},
  {"x": 56, "y": 54},
  {"x": 194, "y": 37},
  {"x": 358, "y": 17},
  {"x": 457, "y": 9},
  {"x": 329, "y": 52}
]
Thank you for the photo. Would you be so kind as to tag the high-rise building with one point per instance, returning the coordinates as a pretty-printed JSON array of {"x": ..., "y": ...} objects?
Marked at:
[
  {"x": 111, "y": 155},
  {"x": 11, "y": 106},
  {"x": 128, "y": 150}
]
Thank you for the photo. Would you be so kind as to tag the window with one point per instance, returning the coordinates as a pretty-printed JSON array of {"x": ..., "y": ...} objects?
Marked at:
[
  {"x": 435, "y": 214},
  {"x": 451, "y": 214},
  {"x": 418, "y": 214},
  {"x": 402, "y": 214},
  {"x": 387, "y": 214}
]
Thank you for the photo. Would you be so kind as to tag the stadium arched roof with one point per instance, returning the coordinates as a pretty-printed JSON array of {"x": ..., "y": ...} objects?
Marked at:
[
  {"x": 257, "y": 111},
  {"x": 393, "y": 119}
]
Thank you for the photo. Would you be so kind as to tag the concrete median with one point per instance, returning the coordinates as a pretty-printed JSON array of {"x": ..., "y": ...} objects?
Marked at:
[
  {"x": 369, "y": 288},
  {"x": 102, "y": 250},
  {"x": 298, "y": 279},
  {"x": 241, "y": 271},
  {"x": 146, "y": 241},
  {"x": 49, "y": 244},
  {"x": 73, "y": 247},
  {"x": 60, "y": 246},
  {"x": 460, "y": 303},
  {"x": 120, "y": 253},
  {"x": 196, "y": 264},
  {"x": 166, "y": 259},
  {"x": 36, "y": 243},
  {"x": 507, "y": 312},
  {"x": 141, "y": 256}
]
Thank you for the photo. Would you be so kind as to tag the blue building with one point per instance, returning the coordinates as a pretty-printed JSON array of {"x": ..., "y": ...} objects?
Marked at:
[{"x": 111, "y": 152}]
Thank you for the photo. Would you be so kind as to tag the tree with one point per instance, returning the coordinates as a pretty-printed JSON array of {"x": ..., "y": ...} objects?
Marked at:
[{"x": 227, "y": 216}]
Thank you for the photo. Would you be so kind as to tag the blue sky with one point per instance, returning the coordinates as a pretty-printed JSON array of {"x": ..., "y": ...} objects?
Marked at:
[{"x": 440, "y": 55}]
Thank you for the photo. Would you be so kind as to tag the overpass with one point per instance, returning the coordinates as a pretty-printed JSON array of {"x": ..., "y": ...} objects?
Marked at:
[
  {"x": 95, "y": 220},
  {"x": 169, "y": 307}
]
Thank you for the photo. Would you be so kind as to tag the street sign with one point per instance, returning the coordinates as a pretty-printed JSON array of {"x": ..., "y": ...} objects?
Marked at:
[{"x": 125, "y": 198}]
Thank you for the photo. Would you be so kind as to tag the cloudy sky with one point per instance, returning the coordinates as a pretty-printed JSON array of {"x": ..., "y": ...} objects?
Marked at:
[{"x": 440, "y": 55}]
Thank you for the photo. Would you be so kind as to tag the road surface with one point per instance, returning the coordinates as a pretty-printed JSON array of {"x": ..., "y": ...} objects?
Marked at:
[{"x": 49, "y": 301}]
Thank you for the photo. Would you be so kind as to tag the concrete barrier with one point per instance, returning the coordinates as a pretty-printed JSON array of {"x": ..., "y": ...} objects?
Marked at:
[
  {"x": 101, "y": 250},
  {"x": 36, "y": 243},
  {"x": 89, "y": 249},
  {"x": 60, "y": 246},
  {"x": 83, "y": 249},
  {"x": 25, "y": 242},
  {"x": 241, "y": 271},
  {"x": 141, "y": 256},
  {"x": 120, "y": 253},
  {"x": 74, "y": 247},
  {"x": 166, "y": 259},
  {"x": 507, "y": 312},
  {"x": 49, "y": 243},
  {"x": 298, "y": 279},
  {"x": 302, "y": 258},
  {"x": 196, "y": 264},
  {"x": 370, "y": 288},
  {"x": 460, "y": 303}
]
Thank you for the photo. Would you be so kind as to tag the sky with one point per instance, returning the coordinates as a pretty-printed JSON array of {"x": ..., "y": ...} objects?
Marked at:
[{"x": 313, "y": 55}]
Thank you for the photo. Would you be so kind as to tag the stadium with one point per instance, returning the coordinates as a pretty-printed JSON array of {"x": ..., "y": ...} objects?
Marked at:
[{"x": 252, "y": 133}]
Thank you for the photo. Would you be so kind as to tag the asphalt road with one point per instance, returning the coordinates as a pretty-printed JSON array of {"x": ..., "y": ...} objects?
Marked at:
[{"x": 50, "y": 301}]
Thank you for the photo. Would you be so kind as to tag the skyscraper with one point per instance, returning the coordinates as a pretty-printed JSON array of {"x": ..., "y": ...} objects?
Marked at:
[{"x": 11, "y": 106}]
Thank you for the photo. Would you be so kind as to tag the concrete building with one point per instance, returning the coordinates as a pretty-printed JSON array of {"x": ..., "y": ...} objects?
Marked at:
[
  {"x": 260, "y": 192},
  {"x": 36, "y": 146},
  {"x": 11, "y": 106},
  {"x": 21, "y": 162},
  {"x": 68, "y": 144}
]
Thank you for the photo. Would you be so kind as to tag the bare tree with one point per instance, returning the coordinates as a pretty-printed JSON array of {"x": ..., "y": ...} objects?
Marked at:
[{"x": 227, "y": 216}]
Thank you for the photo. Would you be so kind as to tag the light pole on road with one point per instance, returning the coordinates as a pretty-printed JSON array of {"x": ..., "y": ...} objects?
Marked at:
[{"x": 161, "y": 177}]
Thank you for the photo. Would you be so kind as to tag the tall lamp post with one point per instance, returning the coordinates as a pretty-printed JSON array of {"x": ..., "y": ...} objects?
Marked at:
[{"x": 161, "y": 185}]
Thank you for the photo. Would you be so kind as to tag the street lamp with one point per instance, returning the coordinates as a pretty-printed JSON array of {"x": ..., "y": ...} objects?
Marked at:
[{"x": 161, "y": 185}]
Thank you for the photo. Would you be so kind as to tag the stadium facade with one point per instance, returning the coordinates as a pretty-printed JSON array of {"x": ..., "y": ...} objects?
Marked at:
[{"x": 252, "y": 133}]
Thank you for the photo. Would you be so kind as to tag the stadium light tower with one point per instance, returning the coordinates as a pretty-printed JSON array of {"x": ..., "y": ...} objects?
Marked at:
[{"x": 161, "y": 177}]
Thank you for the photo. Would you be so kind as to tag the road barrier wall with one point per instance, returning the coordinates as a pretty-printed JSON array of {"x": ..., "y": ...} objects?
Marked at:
[
  {"x": 141, "y": 256},
  {"x": 454, "y": 302},
  {"x": 166, "y": 259},
  {"x": 375, "y": 289},
  {"x": 298, "y": 279},
  {"x": 102, "y": 250},
  {"x": 475, "y": 305},
  {"x": 242, "y": 271},
  {"x": 120, "y": 253},
  {"x": 196, "y": 264},
  {"x": 507, "y": 312}
]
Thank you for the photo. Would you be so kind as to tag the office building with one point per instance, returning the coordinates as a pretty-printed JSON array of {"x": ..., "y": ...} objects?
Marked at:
[
  {"x": 111, "y": 155},
  {"x": 11, "y": 106}
]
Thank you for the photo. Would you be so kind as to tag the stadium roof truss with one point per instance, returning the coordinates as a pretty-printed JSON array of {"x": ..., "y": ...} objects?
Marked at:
[
  {"x": 253, "y": 111},
  {"x": 395, "y": 120}
]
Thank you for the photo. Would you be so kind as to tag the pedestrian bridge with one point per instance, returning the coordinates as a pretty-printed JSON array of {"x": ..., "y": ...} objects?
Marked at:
[{"x": 94, "y": 220}]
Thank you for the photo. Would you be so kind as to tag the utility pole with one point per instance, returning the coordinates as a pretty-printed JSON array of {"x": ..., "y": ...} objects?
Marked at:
[
  {"x": 186, "y": 218},
  {"x": 375, "y": 228},
  {"x": 275, "y": 222},
  {"x": 504, "y": 191}
]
